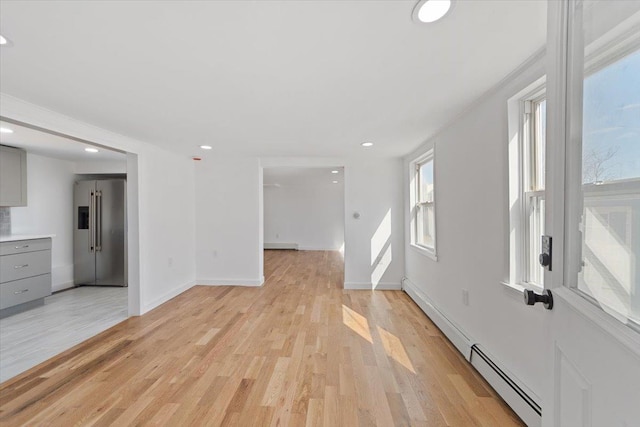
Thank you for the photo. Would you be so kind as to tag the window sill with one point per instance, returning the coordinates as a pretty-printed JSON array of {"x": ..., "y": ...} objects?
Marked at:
[
  {"x": 519, "y": 289},
  {"x": 426, "y": 252}
]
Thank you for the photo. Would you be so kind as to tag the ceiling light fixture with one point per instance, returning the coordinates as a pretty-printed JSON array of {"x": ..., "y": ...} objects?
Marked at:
[
  {"x": 431, "y": 10},
  {"x": 206, "y": 147},
  {"x": 3, "y": 41},
  {"x": 334, "y": 171},
  {"x": 5, "y": 130},
  {"x": 367, "y": 144},
  {"x": 335, "y": 182},
  {"x": 91, "y": 150}
]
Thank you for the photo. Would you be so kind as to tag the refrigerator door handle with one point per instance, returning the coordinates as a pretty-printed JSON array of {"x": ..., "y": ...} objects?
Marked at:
[
  {"x": 98, "y": 221},
  {"x": 92, "y": 209}
]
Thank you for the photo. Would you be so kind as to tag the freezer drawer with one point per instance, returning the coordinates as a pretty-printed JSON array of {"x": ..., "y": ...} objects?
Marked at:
[
  {"x": 19, "y": 266},
  {"x": 24, "y": 290},
  {"x": 20, "y": 246}
]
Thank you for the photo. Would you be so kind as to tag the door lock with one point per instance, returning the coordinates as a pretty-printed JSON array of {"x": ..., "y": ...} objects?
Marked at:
[
  {"x": 545, "y": 256},
  {"x": 530, "y": 298}
]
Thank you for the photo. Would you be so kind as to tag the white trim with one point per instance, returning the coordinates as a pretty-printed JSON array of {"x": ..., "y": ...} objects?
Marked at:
[
  {"x": 519, "y": 288},
  {"x": 428, "y": 154},
  {"x": 386, "y": 286},
  {"x": 293, "y": 246},
  {"x": 231, "y": 282},
  {"x": 166, "y": 297},
  {"x": 458, "y": 337},
  {"x": 57, "y": 287},
  {"x": 424, "y": 251},
  {"x": 317, "y": 248}
]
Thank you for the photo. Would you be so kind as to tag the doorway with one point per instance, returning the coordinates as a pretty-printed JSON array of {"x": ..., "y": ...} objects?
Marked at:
[
  {"x": 69, "y": 312},
  {"x": 304, "y": 212}
]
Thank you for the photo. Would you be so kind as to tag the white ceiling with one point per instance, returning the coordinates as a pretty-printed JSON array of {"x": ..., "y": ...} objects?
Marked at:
[
  {"x": 44, "y": 144},
  {"x": 268, "y": 78},
  {"x": 305, "y": 177}
]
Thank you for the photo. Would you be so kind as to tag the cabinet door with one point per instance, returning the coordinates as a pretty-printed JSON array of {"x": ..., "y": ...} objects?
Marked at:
[{"x": 13, "y": 177}]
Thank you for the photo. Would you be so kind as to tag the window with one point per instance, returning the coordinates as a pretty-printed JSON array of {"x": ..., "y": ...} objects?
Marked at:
[
  {"x": 534, "y": 169},
  {"x": 423, "y": 235},
  {"x": 527, "y": 128}
]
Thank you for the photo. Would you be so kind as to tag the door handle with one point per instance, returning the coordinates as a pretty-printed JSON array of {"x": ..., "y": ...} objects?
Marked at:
[
  {"x": 21, "y": 247},
  {"x": 20, "y": 292},
  {"x": 530, "y": 298},
  {"x": 21, "y": 266},
  {"x": 92, "y": 226},
  {"x": 98, "y": 221}
]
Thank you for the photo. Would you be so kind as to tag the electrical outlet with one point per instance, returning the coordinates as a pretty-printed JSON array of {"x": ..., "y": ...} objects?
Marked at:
[{"x": 465, "y": 297}]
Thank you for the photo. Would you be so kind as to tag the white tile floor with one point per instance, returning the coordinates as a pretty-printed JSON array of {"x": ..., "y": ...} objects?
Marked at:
[{"x": 66, "y": 319}]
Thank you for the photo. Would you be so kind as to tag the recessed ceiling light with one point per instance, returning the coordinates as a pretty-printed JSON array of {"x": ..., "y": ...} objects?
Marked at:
[
  {"x": 335, "y": 182},
  {"x": 334, "y": 172},
  {"x": 5, "y": 130},
  {"x": 367, "y": 144},
  {"x": 3, "y": 41},
  {"x": 206, "y": 147},
  {"x": 91, "y": 150},
  {"x": 431, "y": 10}
]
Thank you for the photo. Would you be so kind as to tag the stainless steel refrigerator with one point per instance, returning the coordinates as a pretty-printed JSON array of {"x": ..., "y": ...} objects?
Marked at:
[{"x": 99, "y": 237}]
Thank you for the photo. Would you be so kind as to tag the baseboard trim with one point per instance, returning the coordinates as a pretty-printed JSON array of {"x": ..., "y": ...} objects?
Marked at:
[
  {"x": 231, "y": 282},
  {"x": 465, "y": 345},
  {"x": 317, "y": 248},
  {"x": 456, "y": 335},
  {"x": 166, "y": 297},
  {"x": 62, "y": 286},
  {"x": 388, "y": 286},
  {"x": 291, "y": 246}
]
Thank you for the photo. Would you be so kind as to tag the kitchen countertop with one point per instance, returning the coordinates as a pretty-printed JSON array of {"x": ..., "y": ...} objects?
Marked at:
[{"x": 19, "y": 237}]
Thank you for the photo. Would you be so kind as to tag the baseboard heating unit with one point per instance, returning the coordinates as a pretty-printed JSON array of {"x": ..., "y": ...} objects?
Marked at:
[{"x": 516, "y": 397}]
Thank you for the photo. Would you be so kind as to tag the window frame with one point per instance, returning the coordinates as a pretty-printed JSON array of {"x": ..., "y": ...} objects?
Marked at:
[
  {"x": 522, "y": 129},
  {"x": 531, "y": 194},
  {"x": 414, "y": 174}
]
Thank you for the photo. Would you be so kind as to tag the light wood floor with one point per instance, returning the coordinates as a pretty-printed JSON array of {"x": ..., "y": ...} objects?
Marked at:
[
  {"x": 299, "y": 351},
  {"x": 66, "y": 319}
]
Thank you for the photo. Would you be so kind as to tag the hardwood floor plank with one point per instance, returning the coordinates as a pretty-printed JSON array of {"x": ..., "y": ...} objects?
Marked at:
[{"x": 298, "y": 351}]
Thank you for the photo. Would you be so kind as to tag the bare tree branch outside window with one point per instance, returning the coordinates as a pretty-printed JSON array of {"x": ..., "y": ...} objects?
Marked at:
[{"x": 597, "y": 167}]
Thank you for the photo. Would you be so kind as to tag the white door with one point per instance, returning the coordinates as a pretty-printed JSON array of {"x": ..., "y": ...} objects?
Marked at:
[{"x": 593, "y": 185}]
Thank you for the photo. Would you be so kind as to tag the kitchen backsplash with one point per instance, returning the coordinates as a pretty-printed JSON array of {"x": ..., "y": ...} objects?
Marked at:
[{"x": 5, "y": 221}]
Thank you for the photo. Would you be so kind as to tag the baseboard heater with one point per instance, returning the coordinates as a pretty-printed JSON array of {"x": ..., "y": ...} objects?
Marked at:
[
  {"x": 518, "y": 399},
  {"x": 284, "y": 246}
]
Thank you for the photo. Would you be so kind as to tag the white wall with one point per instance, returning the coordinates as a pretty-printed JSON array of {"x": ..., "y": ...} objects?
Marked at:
[
  {"x": 310, "y": 215},
  {"x": 374, "y": 243},
  {"x": 472, "y": 228},
  {"x": 107, "y": 167},
  {"x": 50, "y": 211},
  {"x": 229, "y": 223},
  {"x": 160, "y": 188}
]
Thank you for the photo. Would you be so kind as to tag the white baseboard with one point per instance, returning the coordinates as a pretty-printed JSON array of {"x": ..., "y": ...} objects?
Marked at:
[
  {"x": 389, "y": 286},
  {"x": 456, "y": 335},
  {"x": 166, "y": 297},
  {"x": 55, "y": 287},
  {"x": 317, "y": 248},
  {"x": 463, "y": 342},
  {"x": 62, "y": 277},
  {"x": 293, "y": 246},
  {"x": 231, "y": 282}
]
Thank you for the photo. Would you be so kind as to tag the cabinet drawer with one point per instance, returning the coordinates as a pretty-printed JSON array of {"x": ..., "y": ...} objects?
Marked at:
[
  {"x": 25, "y": 290},
  {"x": 21, "y": 246},
  {"x": 20, "y": 266}
]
